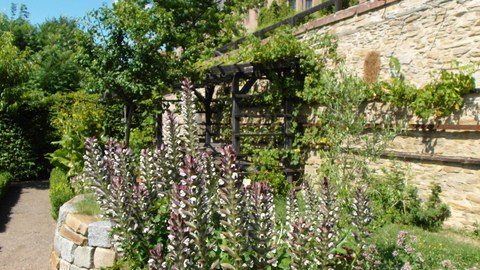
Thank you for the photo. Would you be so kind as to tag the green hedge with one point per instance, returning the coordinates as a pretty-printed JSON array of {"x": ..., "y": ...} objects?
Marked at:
[
  {"x": 16, "y": 155},
  {"x": 5, "y": 179},
  {"x": 60, "y": 190}
]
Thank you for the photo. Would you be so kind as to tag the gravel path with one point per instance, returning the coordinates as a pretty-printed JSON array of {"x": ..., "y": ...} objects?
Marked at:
[{"x": 26, "y": 227}]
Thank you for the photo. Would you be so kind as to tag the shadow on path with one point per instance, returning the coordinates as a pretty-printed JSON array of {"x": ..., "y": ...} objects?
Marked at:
[{"x": 11, "y": 198}]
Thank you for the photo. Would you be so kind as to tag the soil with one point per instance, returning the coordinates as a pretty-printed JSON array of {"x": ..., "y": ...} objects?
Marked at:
[{"x": 26, "y": 227}]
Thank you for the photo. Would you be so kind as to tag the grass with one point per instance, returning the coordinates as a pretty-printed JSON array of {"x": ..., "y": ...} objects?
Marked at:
[
  {"x": 435, "y": 247},
  {"x": 462, "y": 249},
  {"x": 88, "y": 206}
]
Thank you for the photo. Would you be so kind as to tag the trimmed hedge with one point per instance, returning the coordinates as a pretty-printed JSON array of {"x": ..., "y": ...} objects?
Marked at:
[
  {"x": 5, "y": 180},
  {"x": 16, "y": 155},
  {"x": 60, "y": 190}
]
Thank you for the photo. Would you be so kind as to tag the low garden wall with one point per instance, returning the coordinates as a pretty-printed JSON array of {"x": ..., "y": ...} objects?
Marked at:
[{"x": 81, "y": 241}]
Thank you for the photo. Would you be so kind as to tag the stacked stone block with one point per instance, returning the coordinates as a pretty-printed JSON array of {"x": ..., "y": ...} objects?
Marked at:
[{"x": 81, "y": 241}]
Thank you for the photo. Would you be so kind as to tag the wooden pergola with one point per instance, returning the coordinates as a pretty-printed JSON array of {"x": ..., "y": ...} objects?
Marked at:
[{"x": 241, "y": 77}]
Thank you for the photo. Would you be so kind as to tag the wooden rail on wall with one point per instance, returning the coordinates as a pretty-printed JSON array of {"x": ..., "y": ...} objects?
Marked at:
[
  {"x": 432, "y": 158},
  {"x": 425, "y": 127},
  {"x": 468, "y": 161}
]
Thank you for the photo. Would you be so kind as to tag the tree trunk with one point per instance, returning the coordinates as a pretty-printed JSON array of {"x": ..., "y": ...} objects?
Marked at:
[
  {"x": 158, "y": 130},
  {"x": 129, "y": 109}
]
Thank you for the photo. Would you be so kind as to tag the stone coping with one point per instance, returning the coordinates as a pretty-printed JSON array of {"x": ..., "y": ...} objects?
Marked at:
[{"x": 345, "y": 14}]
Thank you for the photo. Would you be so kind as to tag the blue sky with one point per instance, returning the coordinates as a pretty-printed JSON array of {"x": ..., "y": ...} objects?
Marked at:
[{"x": 41, "y": 10}]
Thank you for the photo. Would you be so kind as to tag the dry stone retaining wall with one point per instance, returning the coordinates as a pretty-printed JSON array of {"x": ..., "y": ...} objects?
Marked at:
[{"x": 81, "y": 241}]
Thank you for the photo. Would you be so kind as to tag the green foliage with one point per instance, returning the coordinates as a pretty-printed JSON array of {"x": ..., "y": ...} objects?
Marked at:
[
  {"x": 274, "y": 13},
  {"x": 5, "y": 180},
  {"x": 60, "y": 190},
  {"x": 442, "y": 97},
  {"x": 14, "y": 71},
  {"x": 396, "y": 201},
  {"x": 18, "y": 25},
  {"x": 433, "y": 213},
  {"x": 75, "y": 116},
  {"x": 58, "y": 49},
  {"x": 16, "y": 155},
  {"x": 445, "y": 96},
  {"x": 267, "y": 167}
]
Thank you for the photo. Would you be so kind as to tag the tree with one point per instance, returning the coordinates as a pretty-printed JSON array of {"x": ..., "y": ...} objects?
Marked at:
[
  {"x": 138, "y": 49},
  {"x": 18, "y": 25},
  {"x": 15, "y": 70},
  {"x": 57, "y": 51}
]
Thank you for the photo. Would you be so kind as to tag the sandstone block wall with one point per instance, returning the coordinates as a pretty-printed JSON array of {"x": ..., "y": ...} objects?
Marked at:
[
  {"x": 425, "y": 36},
  {"x": 81, "y": 241},
  {"x": 460, "y": 182}
]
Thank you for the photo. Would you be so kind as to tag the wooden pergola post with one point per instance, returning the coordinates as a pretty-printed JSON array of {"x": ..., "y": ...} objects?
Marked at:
[
  {"x": 235, "y": 114},
  {"x": 208, "y": 114}
]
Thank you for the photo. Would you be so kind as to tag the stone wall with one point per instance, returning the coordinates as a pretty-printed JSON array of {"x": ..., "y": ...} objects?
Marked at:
[
  {"x": 81, "y": 241},
  {"x": 425, "y": 35},
  {"x": 460, "y": 181}
]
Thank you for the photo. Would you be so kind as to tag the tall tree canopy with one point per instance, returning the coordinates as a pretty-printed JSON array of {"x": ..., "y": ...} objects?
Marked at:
[
  {"x": 57, "y": 54},
  {"x": 15, "y": 70},
  {"x": 139, "y": 48}
]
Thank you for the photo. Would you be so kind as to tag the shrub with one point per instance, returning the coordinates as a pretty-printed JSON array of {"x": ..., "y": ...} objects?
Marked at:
[
  {"x": 5, "y": 179},
  {"x": 433, "y": 213},
  {"x": 60, "y": 190},
  {"x": 395, "y": 201},
  {"x": 16, "y": 156},
  {"x": 76, "y": 116}
]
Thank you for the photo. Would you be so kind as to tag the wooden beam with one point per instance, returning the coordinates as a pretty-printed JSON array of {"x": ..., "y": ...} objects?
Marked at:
[
  {"x": 432, "y": 158},
  {"x": 248, "y": 85},
  {"x": 235, "y": 113},
  {"x": 422, "y": 127},
  {"x": 287, "y": 122},
  {"x": 208, "y": 114},
  {"x": 199, "y": 96},
  {"x": 426, "y": 158},
  {"x": 338, "y": 5}
]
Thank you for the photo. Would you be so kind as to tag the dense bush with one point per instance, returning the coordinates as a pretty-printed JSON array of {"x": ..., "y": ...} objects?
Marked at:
[
  {"x": 16, "y": 155},
  {"x": 397, "y": 202},
  {"x": 5, "y": 179},
  {"x": 60, "y": 190}
]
